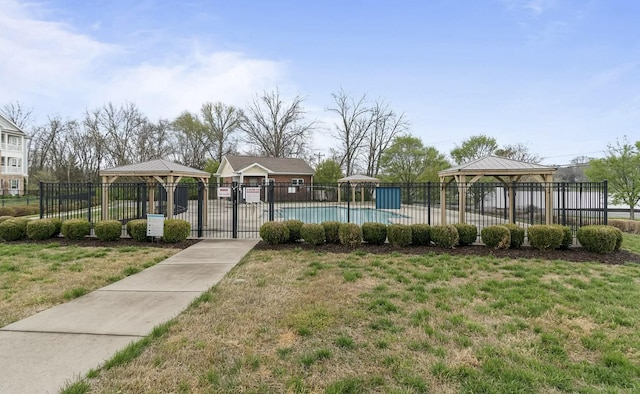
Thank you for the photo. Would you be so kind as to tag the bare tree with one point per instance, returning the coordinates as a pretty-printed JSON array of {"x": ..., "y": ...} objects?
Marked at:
[
  {"x": 519, "y": 152},
  {"x": 20, "y": 116},
  {"x": 352, "y": 129},
  {"x": 121, "y": 128},
  {"x": 222, "y": 123},
  {"x": 386, "y": 126},
  {"x": 275, "y": 128}
]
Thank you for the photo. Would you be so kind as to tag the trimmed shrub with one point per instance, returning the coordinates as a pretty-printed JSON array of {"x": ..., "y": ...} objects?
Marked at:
[
  {"x": 517, "y": 235},
  {"x": 312, "y": 233},
  {"x": 331, "y": 232},
  {"x": 399, "y": 234},
  {"x": 40, "y": 229},
  {"x": 545, "y": 237},
  {"x": 350, "y": 234},
  {"x": 444, "y": 235},
  {"x": 6, "y": 217},
  {"x": 13, "y": 230},
  {"x": 274, "y": 233},
  {"x": 598, "y": 238},
  {"x": 467, "y": 233},
  {"x": 58, "y": 225},
  {"x": 294, "y": 226},
  {"x": 374, "y": 233},
  {"x": 626, "y": 225},
  {"x": 619, "y": 239},
  {"x": 175, "y": 230},
  {"x": 108, "y": 230},
  {"x": 421, "y": 234},
  {"x": 137, "y": 229},
  {"x": 7, "y": 211},
  {"x": 497, "y": 237},
  {"x": 25, "y": 210},
  {"x": 567, "y": 236},
  {"x": 76, "y": 228}
]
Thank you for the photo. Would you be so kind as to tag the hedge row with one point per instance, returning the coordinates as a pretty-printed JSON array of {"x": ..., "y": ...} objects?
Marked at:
[
  {"x": 626, "y": 225},
  {"x": 601, "y": 239},
  {"x": 14, "y": 229},
  {"x": 19, "y": 210}
]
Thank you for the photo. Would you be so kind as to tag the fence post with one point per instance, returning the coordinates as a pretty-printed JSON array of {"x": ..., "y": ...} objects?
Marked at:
[
  {"x": 41, "y": 201},
  {"x": 271, "y": 194},
  {"x": 606, "y": 202},
  {"x": 200, "y": 207},
  {"x": 348, "y": 201},
  {"x": 234, "y": 216},
  {"x": 429, "y": 203},
  {"x": 512, "y": 203},
  {"x": 89, "y": 201}
]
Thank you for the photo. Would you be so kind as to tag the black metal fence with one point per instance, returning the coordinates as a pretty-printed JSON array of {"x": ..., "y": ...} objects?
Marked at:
[{"x": 238, "y": 211}]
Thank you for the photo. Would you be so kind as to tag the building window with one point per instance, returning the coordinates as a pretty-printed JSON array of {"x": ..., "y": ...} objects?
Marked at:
[
  {"x": 297, "y": 181},
  {"x": 15, "y": 184},
  {"x": 14, "y": 162},
  {"x": 14, "y": 140}
]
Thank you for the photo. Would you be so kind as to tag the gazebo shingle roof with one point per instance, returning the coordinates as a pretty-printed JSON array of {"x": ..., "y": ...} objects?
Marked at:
[
  {"x": 495, "y": 165},
  {"x": 155, "y": 167}
]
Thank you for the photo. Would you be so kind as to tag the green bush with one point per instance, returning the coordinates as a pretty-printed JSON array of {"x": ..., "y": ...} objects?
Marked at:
[
  {"x": 420, "y": 234},
  {"x": 312, "y": 233},
  {"x": 567, "y": 236},
  {"x": 7, "y": 211},
  {"x": 6, "y": 217},
  {"x": 545, "y": 237},
  {"x": 175, "y": 230},
  {"x": 517, "y": 235},
  {"x": 619, "y": 239},
  {"x": 496, "y": 237},
  {"x": 445, "y": 235},
  {"x": 13, "y": 229},
  {"x": 274, "y": 233},
  {"x": 40, "y": 229},
  {"x": 108, "y": 230},
  {"x": 294, "y": 229},
  {"x": 76, "y": 228},
  {"x": 58, "y": 225},
  {"x": 137, "y": 230},
  {"x": 467, "y": 233},
  {"x": 374, "y": 233},
  {"x": 598, "y": 238},
  {"x": 331, "y": 232},
  {"x": 350, "y": 234},
  {"x": 400, "y": 235}
]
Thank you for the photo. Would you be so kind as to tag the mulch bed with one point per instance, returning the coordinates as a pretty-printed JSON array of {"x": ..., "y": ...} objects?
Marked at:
[{"x": 576, "y": 254}]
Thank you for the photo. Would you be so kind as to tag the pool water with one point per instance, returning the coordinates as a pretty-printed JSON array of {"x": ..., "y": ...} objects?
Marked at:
[{"x": 338, "y": 214}]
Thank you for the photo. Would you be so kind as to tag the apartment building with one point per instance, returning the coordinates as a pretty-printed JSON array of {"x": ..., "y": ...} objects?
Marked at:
[{"x": 13, "y": 158}]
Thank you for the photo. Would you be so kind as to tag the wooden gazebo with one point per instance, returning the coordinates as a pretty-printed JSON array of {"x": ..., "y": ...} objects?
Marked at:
[
  {"x": 357, "y": 180},
  {"x": 504, "y": 170},
  {"x": 167, "y": 173}
]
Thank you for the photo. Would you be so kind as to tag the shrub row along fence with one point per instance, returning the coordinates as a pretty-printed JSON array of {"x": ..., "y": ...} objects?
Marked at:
[{"x": 237, "y": 211}]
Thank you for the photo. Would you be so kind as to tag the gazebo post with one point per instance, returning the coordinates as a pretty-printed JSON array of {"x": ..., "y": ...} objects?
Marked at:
[
  {"x": 548, "y": 187},
  {"x": 151, "y": 192},
  {"x": 462, "y": 197},
  {"x": 443, "y": 201},
  {"x": 105, "y": 197}
]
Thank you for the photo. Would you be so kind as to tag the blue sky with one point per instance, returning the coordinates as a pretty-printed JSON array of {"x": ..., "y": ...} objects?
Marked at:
[{"x": 561, "y": 76}]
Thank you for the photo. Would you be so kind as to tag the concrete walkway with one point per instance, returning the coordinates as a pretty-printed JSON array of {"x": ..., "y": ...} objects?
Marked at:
[{"x": 42, "y": 353}]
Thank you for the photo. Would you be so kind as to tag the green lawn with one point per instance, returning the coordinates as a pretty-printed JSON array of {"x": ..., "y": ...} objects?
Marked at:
[{"x": 300, "y": 321}]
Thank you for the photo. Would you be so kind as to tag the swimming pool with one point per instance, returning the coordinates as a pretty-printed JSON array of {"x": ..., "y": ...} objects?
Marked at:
[{"x": 338, "y": 214}]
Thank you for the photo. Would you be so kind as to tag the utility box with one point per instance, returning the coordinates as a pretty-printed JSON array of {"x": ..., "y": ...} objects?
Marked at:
[{"x": 387, "y": 198}]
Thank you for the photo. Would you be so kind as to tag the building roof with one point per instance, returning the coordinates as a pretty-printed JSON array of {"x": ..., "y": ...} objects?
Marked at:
[
  {"x": 159, "y": 167},
  {"x": 496, "y": 166},
  {"x": 274, "y": 165},
  {"x": 8, "y": 125}
]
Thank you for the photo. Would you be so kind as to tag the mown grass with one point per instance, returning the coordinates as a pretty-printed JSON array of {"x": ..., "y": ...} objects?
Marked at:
[
  {"x": 300, "y": 321},
  {"x": 34, "y": 277}
]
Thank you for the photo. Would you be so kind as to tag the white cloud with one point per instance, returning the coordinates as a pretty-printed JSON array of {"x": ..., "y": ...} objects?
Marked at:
[{"x": 48, "y": 66}]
